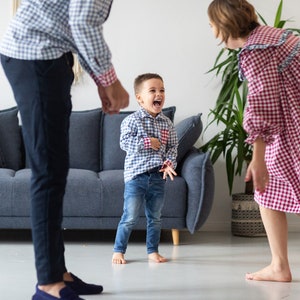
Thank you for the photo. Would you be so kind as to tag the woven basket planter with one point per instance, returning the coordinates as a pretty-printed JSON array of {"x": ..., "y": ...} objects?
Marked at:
[{"x": 246, "y": 219}]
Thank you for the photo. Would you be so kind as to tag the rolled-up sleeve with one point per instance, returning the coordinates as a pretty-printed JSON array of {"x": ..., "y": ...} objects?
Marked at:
[
  {"x": 86, "y": 19},
  {"x": 263, "y": 114}
]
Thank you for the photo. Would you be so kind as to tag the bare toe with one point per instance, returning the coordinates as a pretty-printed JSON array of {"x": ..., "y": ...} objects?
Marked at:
[
  {"x": 157, "y": 257},
  {"x": 118, "y": 258},
  {"x": 271, "y": 274}
]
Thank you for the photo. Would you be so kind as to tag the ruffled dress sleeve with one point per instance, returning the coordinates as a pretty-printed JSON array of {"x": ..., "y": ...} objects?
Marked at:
[{"x": 263, "y": 115}]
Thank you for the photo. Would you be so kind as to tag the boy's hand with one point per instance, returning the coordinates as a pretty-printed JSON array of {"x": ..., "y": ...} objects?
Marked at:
[
  {"x": 155, "y": 143},
  {"x": 168, "y": 171}
]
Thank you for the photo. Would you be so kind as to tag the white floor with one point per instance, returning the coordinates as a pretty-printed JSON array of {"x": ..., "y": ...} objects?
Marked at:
[{"x": 204, "y": 266}]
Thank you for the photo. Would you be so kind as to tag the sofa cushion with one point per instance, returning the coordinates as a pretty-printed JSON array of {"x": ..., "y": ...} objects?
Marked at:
[
  {"x": 111, "y": 153},
  {"x": 188, "y": 132},
  {"x": 82, "y": 197},
  {"x": 2, "y": 161},
  {"x": 176, "y": 189},
  {"x": 198, "y": 172},
  {"x": 85, "y": 139},
  {"x": 11, "y": 140},
  {"x": 112, "y": 183},
  {"x": 170, "y": 112},
  {"x": 83, "y": 194},
  {"x": 6, "y": 187},
  {"x": 21, "y": 193}
]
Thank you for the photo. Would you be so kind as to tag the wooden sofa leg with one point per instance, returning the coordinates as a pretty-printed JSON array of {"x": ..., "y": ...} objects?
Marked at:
[{"x": 175, "y": 237}]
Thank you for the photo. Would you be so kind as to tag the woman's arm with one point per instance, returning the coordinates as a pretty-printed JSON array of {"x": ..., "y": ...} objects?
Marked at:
[{"x": 257, "y": 169}]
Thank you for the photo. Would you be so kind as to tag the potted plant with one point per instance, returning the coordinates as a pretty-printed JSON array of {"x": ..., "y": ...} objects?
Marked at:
[{"x": 230, "y": 141}]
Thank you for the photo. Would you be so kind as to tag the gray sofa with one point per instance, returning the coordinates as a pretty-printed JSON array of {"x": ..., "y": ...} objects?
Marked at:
[{"x": 94, "y": 193}]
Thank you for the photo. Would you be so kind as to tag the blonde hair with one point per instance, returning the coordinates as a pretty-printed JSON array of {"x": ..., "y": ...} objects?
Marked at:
[{"x": 232, "y": 18}]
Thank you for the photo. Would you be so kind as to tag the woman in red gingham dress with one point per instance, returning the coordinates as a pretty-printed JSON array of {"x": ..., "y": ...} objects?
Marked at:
[{"x": 270, "y": 61}]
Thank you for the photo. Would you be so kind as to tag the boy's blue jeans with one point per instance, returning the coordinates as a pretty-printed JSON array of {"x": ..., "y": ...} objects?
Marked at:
[{"x": 145, "y": 189}]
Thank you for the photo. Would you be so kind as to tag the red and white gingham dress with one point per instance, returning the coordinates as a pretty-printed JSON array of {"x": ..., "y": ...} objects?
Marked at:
[{"x": 270, "y": 61}]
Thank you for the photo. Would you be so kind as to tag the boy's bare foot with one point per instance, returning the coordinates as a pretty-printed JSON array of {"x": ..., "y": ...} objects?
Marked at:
[
  {"x": 156, "y": 257},
  {"x": 118, "y": 258},
  {"x": 271, "y": 273}
]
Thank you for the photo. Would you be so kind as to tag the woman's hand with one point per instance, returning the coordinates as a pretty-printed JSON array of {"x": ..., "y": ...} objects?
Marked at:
[{"x": 257, "y": 169}]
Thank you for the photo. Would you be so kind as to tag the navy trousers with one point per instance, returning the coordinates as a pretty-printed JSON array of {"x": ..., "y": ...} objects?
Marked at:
[{"x": 42, "y": 91}]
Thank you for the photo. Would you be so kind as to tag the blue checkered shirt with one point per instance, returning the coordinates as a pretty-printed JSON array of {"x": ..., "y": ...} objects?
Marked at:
[
  {"x": 44, "y": 30},
  {"x": 136, "y": 131}
]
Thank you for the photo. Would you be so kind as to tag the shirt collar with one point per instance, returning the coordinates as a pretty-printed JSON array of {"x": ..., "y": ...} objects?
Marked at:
[{"x": 145, "y": 114}]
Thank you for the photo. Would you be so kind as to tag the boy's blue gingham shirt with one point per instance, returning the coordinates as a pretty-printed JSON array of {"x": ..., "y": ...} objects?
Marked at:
[
  {"x": 136, "y": 130},
  {"x": 47, "y": 29}
]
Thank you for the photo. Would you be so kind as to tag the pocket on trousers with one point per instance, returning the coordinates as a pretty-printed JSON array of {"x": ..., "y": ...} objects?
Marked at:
[
  {"x": 46, "y": 67},
  {"x": 5, "y": 59}
]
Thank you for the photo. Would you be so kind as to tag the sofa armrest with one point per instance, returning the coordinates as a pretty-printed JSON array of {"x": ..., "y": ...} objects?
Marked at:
[{"x": 197, "y": 170}]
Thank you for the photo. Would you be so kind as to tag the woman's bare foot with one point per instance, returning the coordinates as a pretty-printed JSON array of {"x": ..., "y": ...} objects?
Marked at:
[
  {"x": 157, "y": 257},
  {"x": 271, "y": 273},
  {"x": 118, "y": 258}
]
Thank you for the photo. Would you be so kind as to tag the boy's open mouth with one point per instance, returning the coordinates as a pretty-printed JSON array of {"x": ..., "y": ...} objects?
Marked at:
[{"x": 157, "y": 102}]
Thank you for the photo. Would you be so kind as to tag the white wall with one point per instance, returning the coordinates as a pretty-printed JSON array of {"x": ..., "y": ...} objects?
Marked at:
[{"x": 172, "y": 38}]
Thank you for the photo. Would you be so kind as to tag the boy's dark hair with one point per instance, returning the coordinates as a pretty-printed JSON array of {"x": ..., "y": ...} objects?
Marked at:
[
  {"x": 232, "y": 18},
  {"x": 143, "y": 77}
]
